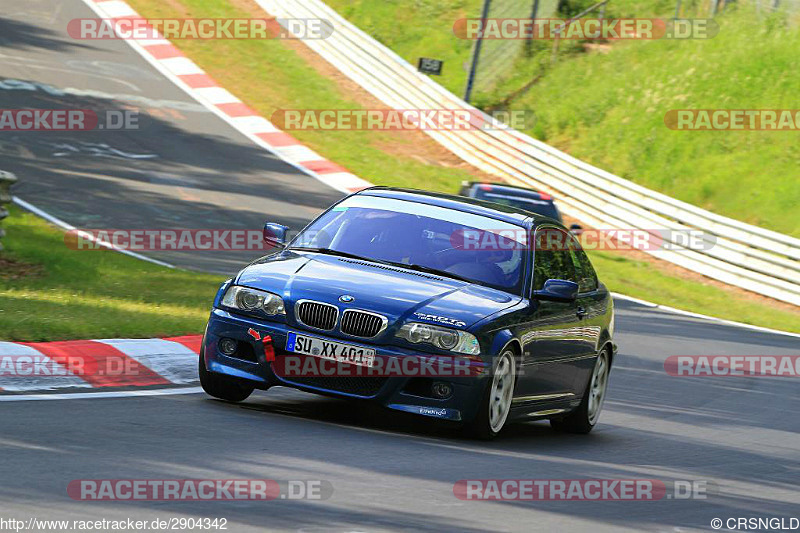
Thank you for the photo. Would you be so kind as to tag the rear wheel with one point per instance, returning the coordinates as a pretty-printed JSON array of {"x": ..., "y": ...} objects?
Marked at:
[
  {"x": 496, "y": 401},
  {"x": 220, "y": 386},
  {"x": 584, "y": 418}
]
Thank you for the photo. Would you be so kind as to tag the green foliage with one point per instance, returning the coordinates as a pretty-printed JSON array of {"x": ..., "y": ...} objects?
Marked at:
[{"x": 608, "y": 108}]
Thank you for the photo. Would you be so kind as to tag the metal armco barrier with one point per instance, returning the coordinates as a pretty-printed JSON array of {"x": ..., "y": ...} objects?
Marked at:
[
  {"x": 7, "y": 179},
  {"x": 743, "y": 255}
]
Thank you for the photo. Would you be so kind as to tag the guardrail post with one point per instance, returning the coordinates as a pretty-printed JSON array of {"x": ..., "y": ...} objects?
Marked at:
[
  {"x": 7, "y": 179},
  {"x": 476, "y": 51},
  {"x": 529, "y": 40}
]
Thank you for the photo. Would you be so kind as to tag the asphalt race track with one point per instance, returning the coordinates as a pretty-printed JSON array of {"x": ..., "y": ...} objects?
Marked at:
[
  {"x": 392, "y": 472},
  {"x": 388, "y": 471},
  {"x": 183, "y": 168}
]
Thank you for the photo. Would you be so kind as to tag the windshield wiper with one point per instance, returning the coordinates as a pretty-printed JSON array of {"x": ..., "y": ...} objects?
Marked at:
[
  {"x": 330, "y": 251},
  {"x": 431, "y": 270}
]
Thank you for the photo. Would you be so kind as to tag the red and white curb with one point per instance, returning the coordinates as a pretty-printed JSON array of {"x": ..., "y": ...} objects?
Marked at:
[
  {"x": 98, "y": 364},
  {"x": 185, "y": 73}
]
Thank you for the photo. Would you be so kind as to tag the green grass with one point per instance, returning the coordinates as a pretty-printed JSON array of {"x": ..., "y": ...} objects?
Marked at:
[
  {"x": 608, "y": 109},
  {"x": 617, "y": 121},
  {"x": 648, "y": 281},
  {"x": 70, "y": 294}
]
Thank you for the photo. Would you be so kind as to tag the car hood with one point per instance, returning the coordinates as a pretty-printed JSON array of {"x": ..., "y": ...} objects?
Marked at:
[{"x": 397, "y": 293}]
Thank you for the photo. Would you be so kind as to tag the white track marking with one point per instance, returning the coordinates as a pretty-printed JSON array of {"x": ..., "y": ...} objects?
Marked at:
[
  {"x": 181, "y": 66},
  {"x": 117, "y": 8},
  {"x": 69, "y": 227},
  {"x": 297, "y": 153},
  {"x": 170, "y": 360},
  {"x": 703, "y": 317},
  {"x": 100, "y": 395},
  {"x": 217, "y": 95},
  {"x": 254, "y": 125}
]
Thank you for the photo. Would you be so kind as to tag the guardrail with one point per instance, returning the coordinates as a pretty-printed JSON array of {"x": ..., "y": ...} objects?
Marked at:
[
  {"x": 7, "y": 179},
  {"x": 743, "y": 255}
]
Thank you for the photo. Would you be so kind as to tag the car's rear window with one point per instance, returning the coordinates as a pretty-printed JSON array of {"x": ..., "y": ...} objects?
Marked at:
[{"x": 540, "y": 207}]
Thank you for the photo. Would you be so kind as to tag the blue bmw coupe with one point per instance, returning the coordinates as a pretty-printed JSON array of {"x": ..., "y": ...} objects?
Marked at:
[{"x": 442, "y": 306}]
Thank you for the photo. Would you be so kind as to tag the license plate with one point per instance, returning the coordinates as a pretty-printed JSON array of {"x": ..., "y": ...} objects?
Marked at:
[{"x": 333, "y": 351}]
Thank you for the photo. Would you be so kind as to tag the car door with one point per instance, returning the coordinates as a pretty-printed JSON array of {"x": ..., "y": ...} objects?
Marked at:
[
  {"x": 591, "y": 309},
  {"x": 554, "y": 347}
]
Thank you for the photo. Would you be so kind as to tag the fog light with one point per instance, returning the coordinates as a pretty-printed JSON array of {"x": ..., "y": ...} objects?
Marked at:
[
  {"x": 228, "y": 346},
  {"x": 442, "y": 390}
]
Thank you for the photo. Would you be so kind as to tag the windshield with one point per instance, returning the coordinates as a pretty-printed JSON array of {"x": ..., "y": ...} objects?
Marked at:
[
  {"x": 540, "y": 207},
  {"x": 479, "y": 249}
]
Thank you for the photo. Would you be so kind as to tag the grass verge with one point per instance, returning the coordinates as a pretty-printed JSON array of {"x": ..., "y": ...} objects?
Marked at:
[
  {"x": 657, "y": 283},
  {"x": 49, "y": 292}
]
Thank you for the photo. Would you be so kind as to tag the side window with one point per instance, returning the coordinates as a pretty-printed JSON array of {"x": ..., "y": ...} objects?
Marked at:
[
  {"x": 587, "y": 278},
  {"x": 552, "y": 258}
]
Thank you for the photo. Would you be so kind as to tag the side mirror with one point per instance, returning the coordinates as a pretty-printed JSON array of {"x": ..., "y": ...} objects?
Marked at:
[
  {"x": 577, "y": 229},
  {"x": 557, "y": 290},
  {"x": 275, "y": 234}
]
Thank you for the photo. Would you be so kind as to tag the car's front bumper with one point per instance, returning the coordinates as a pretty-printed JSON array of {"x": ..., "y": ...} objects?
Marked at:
[{"x": 395, "y": 391}]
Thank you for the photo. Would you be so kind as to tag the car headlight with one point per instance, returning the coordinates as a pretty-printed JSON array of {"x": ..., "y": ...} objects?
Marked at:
[
  {"x": 252, "y": 300},
  {"x": 444, "y": 338}
]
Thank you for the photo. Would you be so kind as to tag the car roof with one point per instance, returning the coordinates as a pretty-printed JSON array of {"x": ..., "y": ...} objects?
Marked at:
[
  {"x": 460, "y": 203},
  {"x": 512, "y": 190}
]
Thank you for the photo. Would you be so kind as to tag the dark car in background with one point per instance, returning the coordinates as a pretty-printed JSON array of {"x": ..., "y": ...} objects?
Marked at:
[
  {"x": 401, "y": 278},
  {"x": 536, "y": 202}
]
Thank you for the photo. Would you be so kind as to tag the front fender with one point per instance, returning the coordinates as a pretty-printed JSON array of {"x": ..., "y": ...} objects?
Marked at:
[{"x": 501, "y": 338}]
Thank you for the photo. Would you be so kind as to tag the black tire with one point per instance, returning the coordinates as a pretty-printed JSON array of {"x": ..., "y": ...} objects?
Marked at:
[
  {"x": 481, "y": 426},
  {"x": 581, "y": 421},
  {"x": 219, "y": 386}
]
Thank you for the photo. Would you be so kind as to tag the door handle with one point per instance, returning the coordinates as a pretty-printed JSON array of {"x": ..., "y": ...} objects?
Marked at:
[{"x": 581, "y": 312}]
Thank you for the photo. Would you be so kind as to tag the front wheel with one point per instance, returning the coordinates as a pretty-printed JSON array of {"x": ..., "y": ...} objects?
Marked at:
[
  {"x": 584, "y": 418},
  {"x": 496, "y": 401},
  {"x": 219, "y": 386}
]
